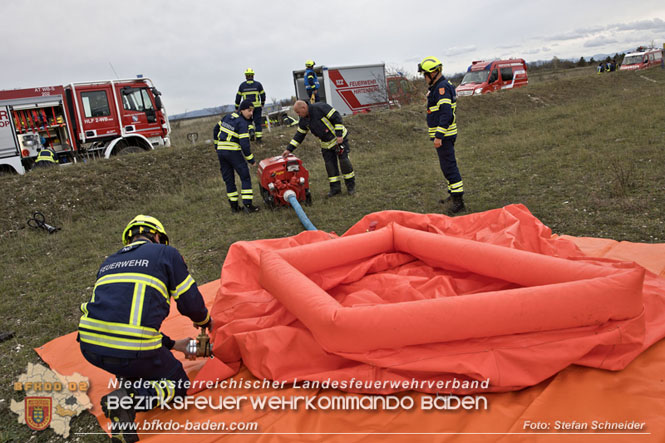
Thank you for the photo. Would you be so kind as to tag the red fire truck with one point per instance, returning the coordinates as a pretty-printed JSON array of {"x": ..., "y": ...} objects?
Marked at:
[
  {"x": 93, "y": 119},
  {"x": 489, "y": 76},
  {"x": 400, "y": 90},
  {"x": 643, "y": 58}
]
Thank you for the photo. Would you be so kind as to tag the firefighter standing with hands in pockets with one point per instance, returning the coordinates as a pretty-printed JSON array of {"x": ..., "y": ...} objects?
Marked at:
[
  {"x": 441, "y": 105},
  {"x": 231, "y": 136}
]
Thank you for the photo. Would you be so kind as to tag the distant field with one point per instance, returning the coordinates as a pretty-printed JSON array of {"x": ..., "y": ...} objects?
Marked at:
[{"x": 584, "y": 152}]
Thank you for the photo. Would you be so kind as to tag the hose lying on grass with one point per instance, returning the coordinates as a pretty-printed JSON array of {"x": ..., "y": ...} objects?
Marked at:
[{"x": 290, "y": 196}]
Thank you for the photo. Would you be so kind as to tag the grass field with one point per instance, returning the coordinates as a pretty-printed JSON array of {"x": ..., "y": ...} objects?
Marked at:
[{"x": 584, "y": 152}]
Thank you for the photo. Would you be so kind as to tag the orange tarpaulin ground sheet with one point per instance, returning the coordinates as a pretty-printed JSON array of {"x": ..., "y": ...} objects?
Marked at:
[{"x": 629, "y": 401}]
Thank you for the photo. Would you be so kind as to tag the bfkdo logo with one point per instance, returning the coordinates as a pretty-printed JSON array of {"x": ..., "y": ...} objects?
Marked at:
[
  {"x": 38, "y": 412},
  {"x": 51, "y": 399}
]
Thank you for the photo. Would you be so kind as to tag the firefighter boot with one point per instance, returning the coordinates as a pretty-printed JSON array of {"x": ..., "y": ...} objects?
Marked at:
[
  {"x": 234, "y": 206},
  {"x": 118, "y": 406},
  {"x": 350, "y": 185},
  {"x": 249, "y": 208},
  {"x": 335, "y": 189},
  {"x": 458, "y": 204}
]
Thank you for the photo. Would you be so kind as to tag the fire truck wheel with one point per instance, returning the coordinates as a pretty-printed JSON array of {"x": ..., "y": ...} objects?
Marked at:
[
  {"x": 129, "y": 150},
  {"x": 6, "y": 170}
]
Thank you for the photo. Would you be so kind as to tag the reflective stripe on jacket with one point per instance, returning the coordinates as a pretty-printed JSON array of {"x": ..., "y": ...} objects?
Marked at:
[{"x": 46, "y": 155}]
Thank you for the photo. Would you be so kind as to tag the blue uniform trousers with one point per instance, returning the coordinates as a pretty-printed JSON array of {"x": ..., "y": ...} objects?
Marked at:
[
  {"x": 335, "y": 162},
  {"x": 258, "y": 122},
  {"x": 448, "y": 162},
  {"x": 162, "y": 366},
  {"x": 230, "y": 161}
]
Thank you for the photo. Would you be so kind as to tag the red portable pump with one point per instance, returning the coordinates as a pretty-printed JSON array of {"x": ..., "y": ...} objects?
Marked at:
[{"x": 278, "y": 175}]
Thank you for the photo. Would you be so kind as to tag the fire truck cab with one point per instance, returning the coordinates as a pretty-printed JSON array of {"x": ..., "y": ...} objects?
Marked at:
[
  {"x": 400, "y": 90},
  {"x": 92, "y": 119},
  {"x": 489, "y": 76},
  {"x": 643, "y": 58}
]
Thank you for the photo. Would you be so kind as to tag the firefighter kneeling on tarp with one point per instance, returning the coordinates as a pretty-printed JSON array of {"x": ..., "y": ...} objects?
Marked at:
[{"x": 119, "y": 328}]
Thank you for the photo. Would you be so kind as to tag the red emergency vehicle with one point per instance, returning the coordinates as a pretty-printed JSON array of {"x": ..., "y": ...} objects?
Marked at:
[
  {"x": 400, "y": 90},
  {"x": 489, "y": 76},
  {"x": 93, "y": 119},
  {"x": 643, "y": 58}
]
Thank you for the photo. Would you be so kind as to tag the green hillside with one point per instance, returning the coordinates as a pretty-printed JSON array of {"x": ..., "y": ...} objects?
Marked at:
[{"x": 584, "y": 153}]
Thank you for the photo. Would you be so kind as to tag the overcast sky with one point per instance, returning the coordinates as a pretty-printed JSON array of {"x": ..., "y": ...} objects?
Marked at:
[{"x": 196, "y": 52}]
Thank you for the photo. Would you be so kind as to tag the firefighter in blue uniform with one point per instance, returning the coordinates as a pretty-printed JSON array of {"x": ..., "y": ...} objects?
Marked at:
[
  {"x": 46, "y": 157},
  {"x": 119, "y": 329},
  {"x": 326, "y": 124},
  {"x": 253, "y": 91},
  {"x": 441, "y": 105},
  {"x": 231, "y": 137},
  {"x": 311, "y": 82}
]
